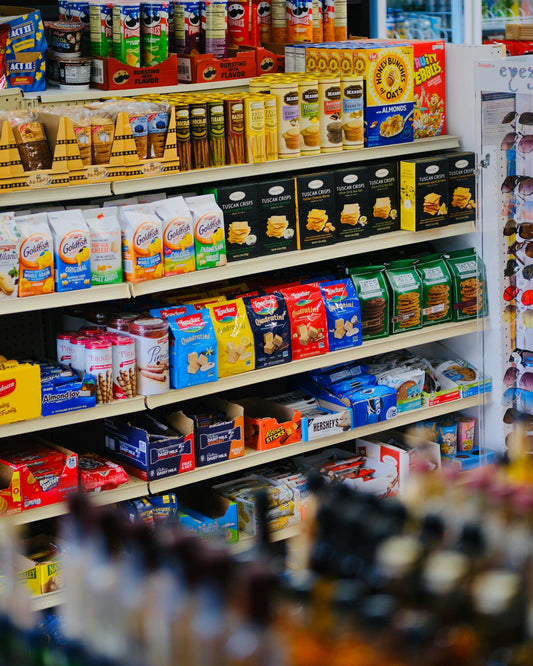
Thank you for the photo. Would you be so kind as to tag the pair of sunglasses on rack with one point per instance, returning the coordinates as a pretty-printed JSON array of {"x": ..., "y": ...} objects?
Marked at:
[
  {"x": 524, "y": 184},
  {"x": 525, "y": 118},
  {"x": 524, "y": 230},
  {"x": 512, "y": 292},
  {"x": 524, "y": 142},
  {"x": 526, "y": 246}
]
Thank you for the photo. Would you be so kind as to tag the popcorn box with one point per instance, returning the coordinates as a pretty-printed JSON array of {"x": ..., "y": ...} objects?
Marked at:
[
  {"x": 268, "y": 425},
  {"x": 20, "y": 393}
]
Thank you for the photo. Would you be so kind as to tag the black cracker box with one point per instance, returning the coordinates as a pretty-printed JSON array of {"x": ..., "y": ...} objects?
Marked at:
[
  {"x": 424, "y": 193},
  {"x": 277, "y": 215},
  {"x": 239, "y": 205},
  {"x": 352, "y": 202},
  {"x": 461, "y": 187},
  {"x": 317, "y": 224},
  {"x": 384, "y": 197}
]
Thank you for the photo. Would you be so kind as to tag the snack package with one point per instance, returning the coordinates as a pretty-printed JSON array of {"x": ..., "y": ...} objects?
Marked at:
[
  {"x": 209, "y": 238},
  {"x": 408, "y": 384},
  {"x": 436, "y": 290},
  {"x": 36, "y": 255},
  {"x": 307, "y": 315},
  {"x": 269, "y": 319},
  {"x": 187, "y": 19},
  {"x": 447, "y": 436},
  {"x": 352, "y": 201},
  {"x": 154, "y": 32},
  {"x": 178, "y": 238},
  {"x": 104, "y": 234},
  {"x": 469, "y": 284},
  {"x": 371, "y": 288},
  {"x": 102, "y": 136},
  {"x": 193, "y": 350},
  {"x": 142, "y": 245},
  {"x": 97, "y": 473},
  {"x": 9, "y": 256},
  {"x": 138, "y": 117},
  {"x": 466, "y": 433},
  {"x": 31, "y": 140},
  {"x": 343, "y": 314},
  {"x": 424, "y": 193},
  {"x": 234, "y": 335},
  {"x": 72, "y": 256},
  {"x": 406, "y": 296},
  {"x": 158, "y": 120},
  {"x": 81, "y": 124}
]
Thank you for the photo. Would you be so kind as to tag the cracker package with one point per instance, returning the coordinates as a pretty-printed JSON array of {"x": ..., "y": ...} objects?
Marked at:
[
  {"x": 277, "y": 215},
  {"x": 406, "y": 296},
  {"x": 307, "y": 315},
  {"x": 371, "y": 288},
  {"x": 234, "y": 337},
  {"x": 469, "y": 284},
  {"x": 209, "y": 242},
  {"x": 104, "y": 234},
  {"x": 72, "y": 254},
  {"x": 317, "y": 225},
  {"x": 193, "y": 350},
  {"x": 36, "y": 255},
  {"x": 424, "y": 193},
  {"x": 352, "y": 202},
  {"x": 343, "y": 314},
  {"x": 269, "y": 319},
  {"x": 461, "y": 187},
  {"x": 384, "y": 197},
  {"x": 142, "y": 244},
  {"x": 178, "y": 236},
  {"x": 9, "y": 256},
  {"x": 239, "y": 205},
  {"x": 436, "y": 290}
]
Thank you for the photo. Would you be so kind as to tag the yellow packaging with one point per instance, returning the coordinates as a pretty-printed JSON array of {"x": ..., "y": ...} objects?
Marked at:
[
  {"x": 271, "y": 127},
  {"x": 236, "y": 351},
  {"x": 288, "y": 112},
  {"x": 353, "y": 129},
  {"x": 20, "y": 393},
  {"x": 36, "y": 255},
  {"x": 51, "y": 576},
  {"x": 204, "y": 301},
  {"x": 279, "y": 22},
  {"x": 28, "y": 574},
  {"x": 346, "y": 61},
  {"x": 309, "y": 116},
  {"x": 254, "y": 128},
  {"x": 260, "y": 85}
]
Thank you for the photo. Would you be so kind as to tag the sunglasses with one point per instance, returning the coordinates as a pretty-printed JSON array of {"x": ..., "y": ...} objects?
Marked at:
[
  {"x": 525, "y": 185},
  {"x": 525, "y": 118},
  {"x": 526, "y": 246},
  {"x": 524, "y": 230}
]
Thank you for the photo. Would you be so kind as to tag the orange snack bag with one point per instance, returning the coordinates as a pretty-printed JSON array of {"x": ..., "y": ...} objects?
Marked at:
[{"x": 36, "y": 256}]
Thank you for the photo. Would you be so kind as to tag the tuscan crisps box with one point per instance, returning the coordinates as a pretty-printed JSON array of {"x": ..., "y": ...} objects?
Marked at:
[
  {"x": 352, "y": 202},
  {"x": 277, "y": 215},
  {"x": 461, "y": 187},
  {"x": 424, "y": 193},
  {"x": 317, "y": 225},
  {"x": 384, "y": 197}
]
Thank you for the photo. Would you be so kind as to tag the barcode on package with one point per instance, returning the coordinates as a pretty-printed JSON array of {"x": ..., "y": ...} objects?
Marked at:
[
  {"x": 97, "y": 71},
  {"x": 184, "y": 70}
]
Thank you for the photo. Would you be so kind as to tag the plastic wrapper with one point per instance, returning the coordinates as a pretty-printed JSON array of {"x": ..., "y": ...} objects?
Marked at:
[{"x": 30, "y": 137}]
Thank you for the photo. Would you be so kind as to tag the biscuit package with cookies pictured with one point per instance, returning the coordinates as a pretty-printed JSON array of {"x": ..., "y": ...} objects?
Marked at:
[
  {"x": 408, "y": 384},
  {"x": 309, "y": 325},
  {"x": 236, "y": 352},
  {"x": 469, "y": 284},
  {"x": 36, "y": 255},
  {"x": 317, "y": 223},
  {"x": 384, "y": 197},
  {"x": 371, "y": 287},
  {"x": 277, "y": 215},
  {"x": 461, "y": 187},
  {"x": 9, "y": 256},
  {"x": 193, "y": 349},
  {"x": 424, "y": 193},
  {"x": 269, "y": 319},
  {"x": 343, "y": 314},
  {"x": 72, "y": 253},
  {"x": 436, "y": 290},
  {"x": 352, "y": 202},
  {"x": 406, "y": 296}
]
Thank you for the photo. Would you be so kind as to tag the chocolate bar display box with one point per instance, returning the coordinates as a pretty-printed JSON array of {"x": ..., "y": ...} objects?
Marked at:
[
  {"x": 208, "y": 514},
  {"x": 268, "y": 425},
  {"x": 145, "y": 454}
]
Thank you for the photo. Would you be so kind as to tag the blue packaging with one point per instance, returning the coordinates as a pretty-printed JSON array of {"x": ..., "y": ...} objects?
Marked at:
[
  {"x": 164, "y": 507},
  {"x": 212, "y": 515},
  {"x": 72, "y": 255},
  {"x": 343, "y": 314},
  {"x": 373, "y": 404},
  {"x": 466, "y": 460},
  {"x": 66, "y": 394},
  {"x": 26, "y": 71},
  {"x": 269, "y": 320},
  {"x": 26, "y": 34},
  {"x": 337, "y": 373},
  {"x": 193, "y": 350},
  {"x": 172, "y": 311}
]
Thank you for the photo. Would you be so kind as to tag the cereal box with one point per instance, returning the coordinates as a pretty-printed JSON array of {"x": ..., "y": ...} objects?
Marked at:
[
  {"x": 234, "y": 335},
  {"x": 104, "y": 233},
  {"x": 193, "y": 350},
  {"x": 9, "y": 256},
  {"x": 423, "y": 193},
  {"x": 269, "y": 319},
  {"x": 429, "y": 117},
  {"x": 209, "y": 239},
  {"x": 343, "y": 314},
  {"x": 72, "y": 256},
  {"x": 36, "y": 255},
  {"x": 142, "y": 244},
  {"x": 178, "y": 236},
  {"x": 308, "y": 320}
]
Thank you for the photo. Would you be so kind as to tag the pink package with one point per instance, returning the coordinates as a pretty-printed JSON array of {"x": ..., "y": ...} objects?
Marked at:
[{"x": 466, "y": 431}]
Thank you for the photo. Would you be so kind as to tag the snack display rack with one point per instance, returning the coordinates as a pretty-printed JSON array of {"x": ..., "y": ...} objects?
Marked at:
[{"x": 471, "y": 330}]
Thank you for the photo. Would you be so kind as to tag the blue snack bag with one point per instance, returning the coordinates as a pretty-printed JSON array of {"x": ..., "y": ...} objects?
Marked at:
[
  {"x": 343, "y": 314},
  {"x": 193, "y": 350},
  {"x": 269, "y": 320}
]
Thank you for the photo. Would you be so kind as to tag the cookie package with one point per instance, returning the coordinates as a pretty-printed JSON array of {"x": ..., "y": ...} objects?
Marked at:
[
  {"x": 371, "y": 288},
  {"x": 436, "y": 290},
  {"x": 406, "y": 296},
  {"x": 469, "y": 284}
]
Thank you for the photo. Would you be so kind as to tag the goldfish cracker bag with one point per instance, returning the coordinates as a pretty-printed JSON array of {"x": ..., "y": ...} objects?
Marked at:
[
  {"x": 307, "y": 314},
  {"x": 234, "y": 337},
  {"x": 178, "y": 238},
  {"x": 104, "y": 234},
  {"x": 72, "y": 256},
  {"x": 9, "y": 255},
  {"x": 142, "y": 244},
  {"x": 209, "y": 235},
  {"x": 36, "y": 255}
]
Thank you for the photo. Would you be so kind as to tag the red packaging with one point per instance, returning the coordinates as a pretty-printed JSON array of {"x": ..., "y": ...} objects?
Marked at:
[
  {"x": 243, "y": 28},
  {"x": 429, "y": 58},
  {"x": 97, "y": 473},
  {"x": 307, "y": 315}
]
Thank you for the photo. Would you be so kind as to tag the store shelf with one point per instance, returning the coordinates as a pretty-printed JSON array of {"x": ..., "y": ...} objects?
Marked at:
[
  {"x": 392, "y": 343},
  {"x": 324, "y": 161},
  {"x": 246, "y": 542},
  {"x": 239, "y": 269},
  {"x": 132, "y": 489},
  {"x": 50, "y": 600},
  {"x": 53, "y": 194},
  {"x": 115, "y": 408},
  {"x": 254, "y": 458},
  {"x": 108, "y": 292}
]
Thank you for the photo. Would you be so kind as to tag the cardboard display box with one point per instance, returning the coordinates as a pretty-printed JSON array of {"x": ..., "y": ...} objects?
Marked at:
[
  {"x": 20, "y": 393},
  {"x": 111, "y": 74},
  {"x": 268, "y": 425},
  {"x": 466, "y": 460},
  {"x": 208, "y": 514},
  {"x": 205, "y": 67},
  {"x": 59, "y": 395}
]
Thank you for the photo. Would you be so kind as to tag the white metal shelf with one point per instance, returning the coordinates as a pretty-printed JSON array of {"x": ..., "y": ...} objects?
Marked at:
[
  {"x": 253, "y": 458},
  {"x": 115, "y": 408},
  {"x": 382, "y": 345},
  {"x": 54, "y": 194},
  {"x": 107, "y": 292},
  {"x": 325, "y": 161},
  {"x": 265, "y": 264}
]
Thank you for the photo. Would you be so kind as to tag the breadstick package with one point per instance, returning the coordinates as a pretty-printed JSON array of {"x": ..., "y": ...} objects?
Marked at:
[
  {"x": 178, "y": 236},
  {"x": 343, "y": 314},
  {"x": 142, "y": 245},
  {"x": 36, "y": 255},
  {"x": 72, "y": 256},
  {"x": 104, "y": 233},
  {"x": 308, "y": 320},
  {"x": 234, "y": 335},
  {"x": 9, "y": 255},
  {"x": 193, "y": 350}
]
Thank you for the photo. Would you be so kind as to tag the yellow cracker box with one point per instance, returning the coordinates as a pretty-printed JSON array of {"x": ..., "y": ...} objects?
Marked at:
[
  {"x": 236, "y": 351},
  {"x": 20, "y": 393},
  {"x": 36, "y": 255}
]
